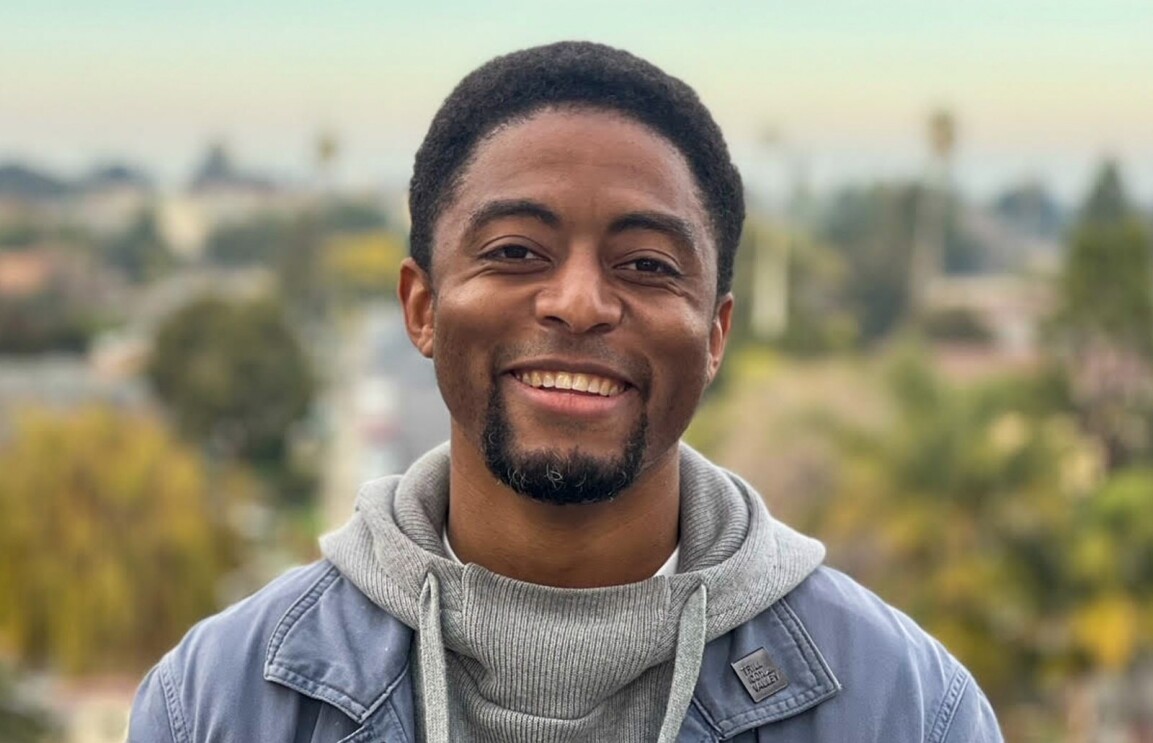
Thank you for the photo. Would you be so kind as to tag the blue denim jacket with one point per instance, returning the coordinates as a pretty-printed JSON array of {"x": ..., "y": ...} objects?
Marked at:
[{"x": 309, "y": 658}]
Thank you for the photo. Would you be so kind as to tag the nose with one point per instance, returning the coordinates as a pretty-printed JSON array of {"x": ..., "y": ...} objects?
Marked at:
[{"x": 579, "y": 296}]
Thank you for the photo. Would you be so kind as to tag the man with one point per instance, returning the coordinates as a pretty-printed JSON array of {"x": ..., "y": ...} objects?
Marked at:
[{"x": 565, "y": 569}]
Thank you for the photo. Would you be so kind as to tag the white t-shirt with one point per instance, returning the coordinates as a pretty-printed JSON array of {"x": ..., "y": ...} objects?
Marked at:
[{"x": 669, "y": 568}]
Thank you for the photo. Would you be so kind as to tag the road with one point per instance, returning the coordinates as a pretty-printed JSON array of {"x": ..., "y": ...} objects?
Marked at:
[{"x": 384, "y": 408}]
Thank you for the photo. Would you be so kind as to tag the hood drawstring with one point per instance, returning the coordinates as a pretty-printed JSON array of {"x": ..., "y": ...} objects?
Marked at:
[
  {"x": 686, "y": 664},
  {"x": 434, "y": 683}
]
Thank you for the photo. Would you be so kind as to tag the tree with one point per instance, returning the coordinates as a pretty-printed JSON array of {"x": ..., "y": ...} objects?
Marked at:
[
  {"x": 874, "y": 229},
  {"x": 1107, "y": 281},
  {"x": 1105, "y": 320},
  {"x": 233, "y": 376},
  {"x": 989, "y": 517},
  {"x": 114, "y": 538},
  {"x": 140, "y": 251},
  {"x": 363, "y": 265}
]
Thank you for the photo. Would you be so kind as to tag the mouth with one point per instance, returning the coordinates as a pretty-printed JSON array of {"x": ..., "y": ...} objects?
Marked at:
[{"x": 571, "y": 381}]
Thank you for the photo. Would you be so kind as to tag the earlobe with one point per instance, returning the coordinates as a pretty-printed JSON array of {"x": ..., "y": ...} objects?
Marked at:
[
  {"x": 719, "y": 335},
  {"x": 414, "y": 289}
]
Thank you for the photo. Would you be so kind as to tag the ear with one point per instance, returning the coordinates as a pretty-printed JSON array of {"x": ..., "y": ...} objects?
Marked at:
[
  {"x": 719, "y": 334},
  {"x": 414, "y": 288}
]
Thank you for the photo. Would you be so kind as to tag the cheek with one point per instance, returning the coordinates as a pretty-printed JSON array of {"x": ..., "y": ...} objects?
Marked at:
[
  {"x": 463, "y": 368},
  {"x": 684, "y": 355}
]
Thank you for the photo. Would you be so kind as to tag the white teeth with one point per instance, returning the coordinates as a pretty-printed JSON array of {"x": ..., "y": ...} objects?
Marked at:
[{"x": 571, "y": 381}]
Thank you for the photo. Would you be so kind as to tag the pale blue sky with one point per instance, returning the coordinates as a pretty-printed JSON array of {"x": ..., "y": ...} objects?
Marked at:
[{"x": 1040, "y": 88}]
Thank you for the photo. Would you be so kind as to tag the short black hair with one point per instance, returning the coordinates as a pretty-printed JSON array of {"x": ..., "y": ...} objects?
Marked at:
[{"x": 574, "y": 73}]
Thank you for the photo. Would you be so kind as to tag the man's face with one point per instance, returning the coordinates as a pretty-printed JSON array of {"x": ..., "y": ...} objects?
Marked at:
[{"x": 573, "y": 317}]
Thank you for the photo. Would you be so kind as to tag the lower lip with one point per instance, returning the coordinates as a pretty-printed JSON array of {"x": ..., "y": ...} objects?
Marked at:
[{"x": 566, "y": 402}]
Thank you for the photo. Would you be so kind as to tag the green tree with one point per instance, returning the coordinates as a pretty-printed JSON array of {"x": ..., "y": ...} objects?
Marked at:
[
  {"x": 234, "y": 377},
  {"x": 140, "y": 251},
  {"x": 114, "y": 538},
  {"x": 1107, "y": 281},
  {"x": 873, "y": 229},
  {"x": 987, "y": 515},
  {"x": 250, "y": 242},
  {"x": 1105, "y": 320}
]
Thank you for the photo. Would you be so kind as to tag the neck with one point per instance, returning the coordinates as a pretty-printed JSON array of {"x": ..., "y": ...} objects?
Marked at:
[{"x": 579, "y": 546}]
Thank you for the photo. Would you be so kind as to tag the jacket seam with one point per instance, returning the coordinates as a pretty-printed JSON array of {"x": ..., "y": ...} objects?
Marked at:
[
  {"x": 338, "y": 698},
  {"x": 176, "y": 724},
  {"x": 949, "y": 705},
  {"x": 705, "y": 714}
]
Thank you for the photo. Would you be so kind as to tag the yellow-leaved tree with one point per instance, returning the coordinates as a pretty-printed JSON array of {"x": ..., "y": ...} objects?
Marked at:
[{"x": 114, "y": 538}]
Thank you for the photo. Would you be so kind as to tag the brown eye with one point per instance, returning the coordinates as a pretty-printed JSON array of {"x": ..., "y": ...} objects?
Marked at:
[
  {"x": 652, "y": 265},
  {"x": 511, "y": 253}
]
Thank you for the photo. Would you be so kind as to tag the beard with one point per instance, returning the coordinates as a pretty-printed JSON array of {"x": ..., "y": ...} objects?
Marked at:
[{"x": 554, "y": 476}]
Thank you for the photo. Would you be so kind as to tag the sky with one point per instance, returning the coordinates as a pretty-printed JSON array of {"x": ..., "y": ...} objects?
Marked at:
[{"x": 1040, "y": 89}]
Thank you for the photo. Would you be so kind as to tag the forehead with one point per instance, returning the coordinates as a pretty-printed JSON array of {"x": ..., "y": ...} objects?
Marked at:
[{"x": 581, "y": 156}]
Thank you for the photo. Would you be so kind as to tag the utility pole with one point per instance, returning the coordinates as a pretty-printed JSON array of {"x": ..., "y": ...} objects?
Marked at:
[{"x": 769, "y": 312}]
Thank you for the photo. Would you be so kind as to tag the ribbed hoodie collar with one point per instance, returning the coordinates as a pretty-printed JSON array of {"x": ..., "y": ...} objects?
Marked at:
[{"x": 540, "y": 655}]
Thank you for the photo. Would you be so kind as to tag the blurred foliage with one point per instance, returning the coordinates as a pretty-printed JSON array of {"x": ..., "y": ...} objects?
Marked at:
[
  {"x": 1104, "y": 322},
  {"x": 986, "y": 513},
  {"x": 140, "y": 251},
  {"x": 350, "y": 215},
  {"x": 1107, "y": 281},
  {"x": 20, "y": 233},
  {"x": 113, "y": 539},
  {"x": 234, "y": 377},
  {"x": 343, "y": 249},
  {"x": 956, "y": 325},
  {"x": 364, "y": 265},
  {"x": 254, "y": 241},
  {"x": 873, "y": 229},
  {"x": 46, "y": 321}
]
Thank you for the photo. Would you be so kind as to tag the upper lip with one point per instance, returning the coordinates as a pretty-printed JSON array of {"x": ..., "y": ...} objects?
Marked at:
[{"x": 574, "y": 366}]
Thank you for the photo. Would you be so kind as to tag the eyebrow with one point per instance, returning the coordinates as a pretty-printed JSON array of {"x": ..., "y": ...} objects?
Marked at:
[
  {"x": 503, "y": 208},
  {"x": 680, "y": 230}
]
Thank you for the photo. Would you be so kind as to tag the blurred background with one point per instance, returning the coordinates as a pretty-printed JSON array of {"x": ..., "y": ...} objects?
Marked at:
[{"x": 942, "y": 363}]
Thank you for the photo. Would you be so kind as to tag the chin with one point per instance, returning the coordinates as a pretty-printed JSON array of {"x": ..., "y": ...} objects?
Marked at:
[{"x": 558, "y": 476}]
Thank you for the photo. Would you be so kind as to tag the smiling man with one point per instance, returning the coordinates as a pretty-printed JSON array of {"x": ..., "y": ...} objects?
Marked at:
[{"x": 564, "y": 569}]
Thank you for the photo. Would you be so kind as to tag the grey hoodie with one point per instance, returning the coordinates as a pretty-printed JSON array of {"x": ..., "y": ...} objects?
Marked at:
[{"x": 507, "y": 661}]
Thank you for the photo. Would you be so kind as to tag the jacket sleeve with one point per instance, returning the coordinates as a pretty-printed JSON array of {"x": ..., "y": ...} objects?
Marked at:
[
  {"x": 973, "y": 721},
  {"x": 152, "y": 720}
]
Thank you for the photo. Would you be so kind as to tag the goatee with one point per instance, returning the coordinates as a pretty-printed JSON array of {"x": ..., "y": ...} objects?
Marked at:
[{"x": 559, "y": 477}]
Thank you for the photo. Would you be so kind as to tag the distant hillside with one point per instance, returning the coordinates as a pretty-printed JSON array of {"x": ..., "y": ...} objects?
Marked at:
[{"x": 21, "y": 182}]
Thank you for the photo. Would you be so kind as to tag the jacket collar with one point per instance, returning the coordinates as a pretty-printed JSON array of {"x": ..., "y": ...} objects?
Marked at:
[{"x": 335, "y": 645}]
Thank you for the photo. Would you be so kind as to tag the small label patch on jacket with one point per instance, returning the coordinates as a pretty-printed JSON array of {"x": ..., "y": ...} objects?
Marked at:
[{"x": 759, "y": 674}]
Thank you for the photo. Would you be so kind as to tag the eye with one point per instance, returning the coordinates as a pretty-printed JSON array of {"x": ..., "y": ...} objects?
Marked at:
[
  {"x": 651, "y": 266},
  {"x": 512, "y": 253}
]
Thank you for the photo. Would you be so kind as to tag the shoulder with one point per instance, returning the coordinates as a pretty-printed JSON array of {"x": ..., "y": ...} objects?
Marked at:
[
  {"x": 214, "y": 681},
  {"x": 239, "y": 636},
  {"x": 894, "y": 675}
]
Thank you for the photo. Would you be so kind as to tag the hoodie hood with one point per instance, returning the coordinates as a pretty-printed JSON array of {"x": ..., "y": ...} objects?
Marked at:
[{"x": 531, "y": 662}]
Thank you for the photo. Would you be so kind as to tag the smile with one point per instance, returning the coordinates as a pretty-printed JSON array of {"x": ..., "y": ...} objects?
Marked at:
[{"x": 573, "y": 381}]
